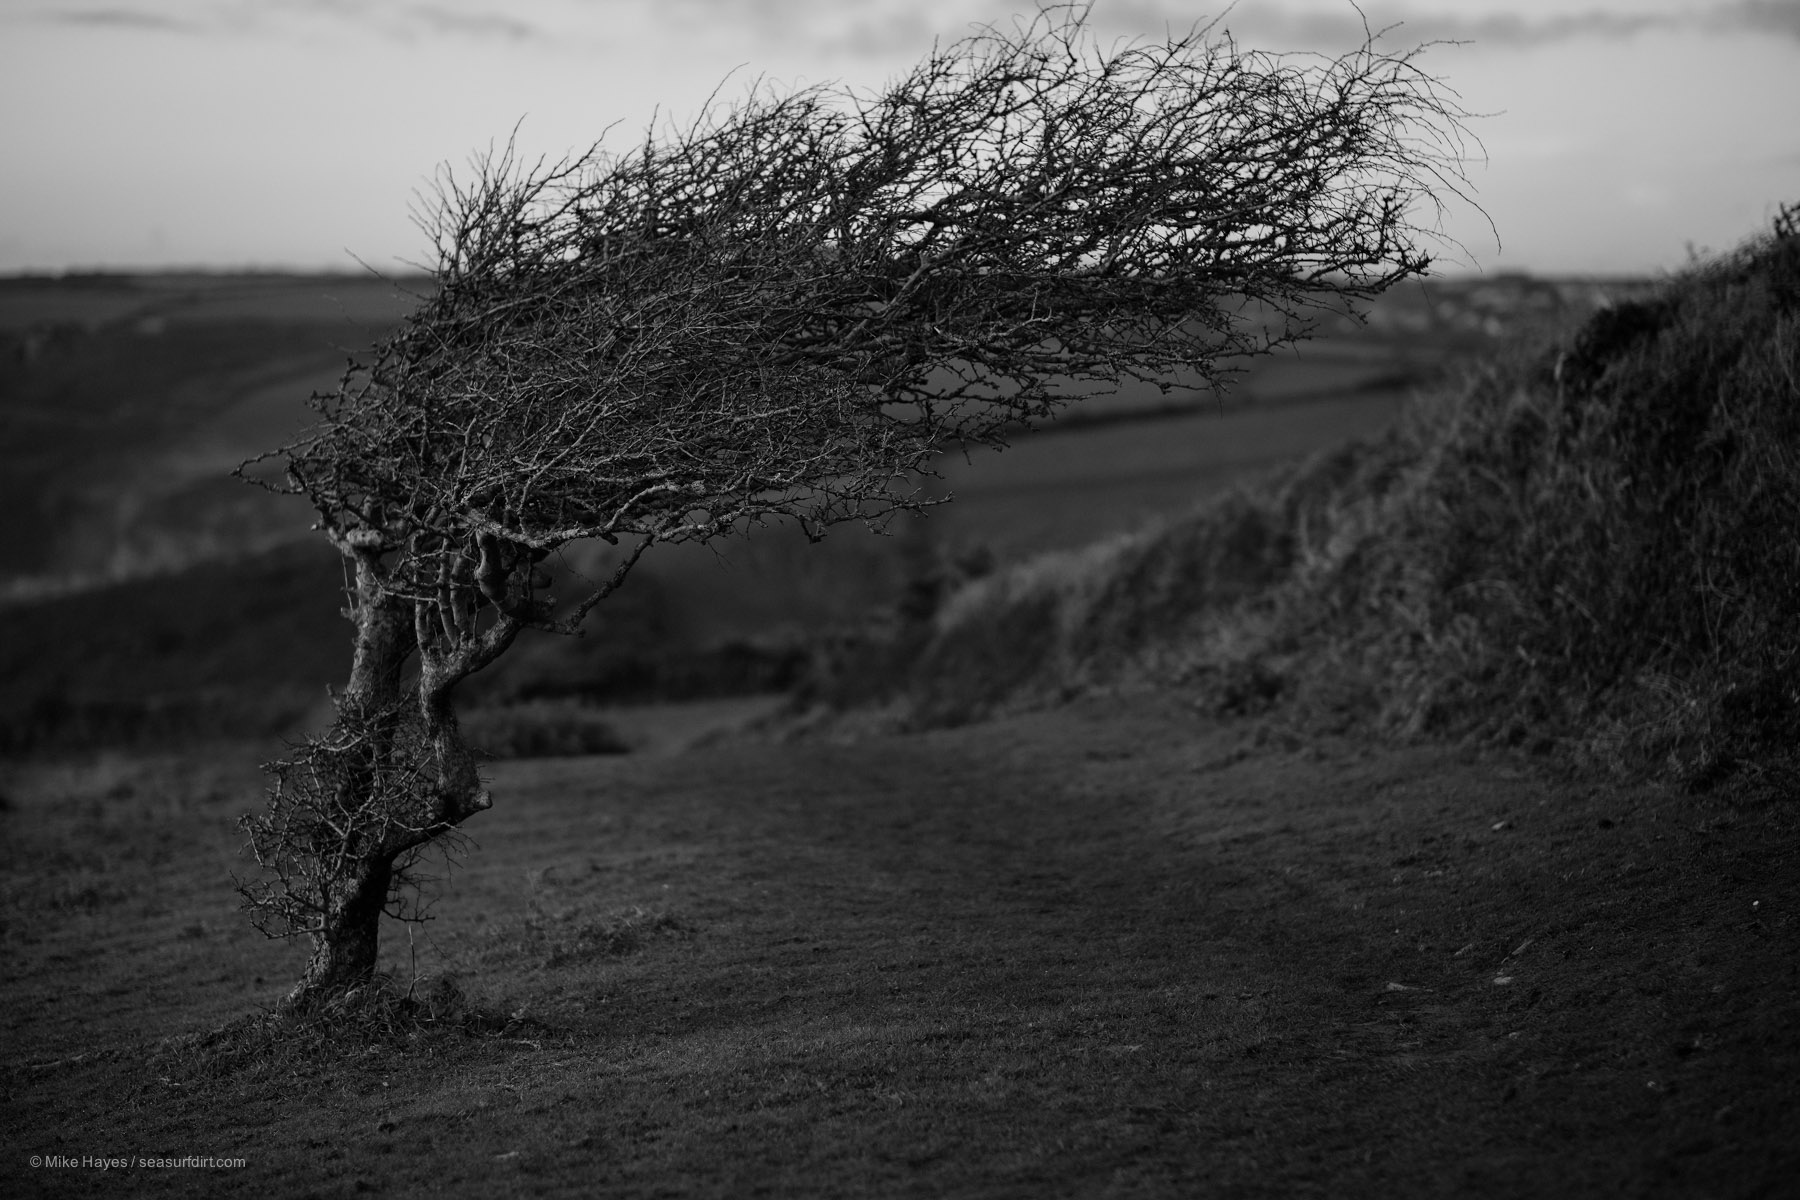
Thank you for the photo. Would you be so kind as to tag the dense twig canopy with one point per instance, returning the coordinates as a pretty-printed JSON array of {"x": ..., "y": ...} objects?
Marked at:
[{"x": 788, "y": 308}]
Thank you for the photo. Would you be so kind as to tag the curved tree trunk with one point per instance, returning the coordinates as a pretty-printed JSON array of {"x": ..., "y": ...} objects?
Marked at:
[{"x": 346, "y": 949}]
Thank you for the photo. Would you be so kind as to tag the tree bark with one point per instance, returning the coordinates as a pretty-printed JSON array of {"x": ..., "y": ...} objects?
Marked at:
[
  {"x": 346, "y": 949},
  {"x": 384, "y": 641}
]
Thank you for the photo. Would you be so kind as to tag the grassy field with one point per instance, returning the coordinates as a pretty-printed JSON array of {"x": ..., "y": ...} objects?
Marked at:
[
  {"x": 1107, "y": 950},
  {"x": 1129, "y": 945}
]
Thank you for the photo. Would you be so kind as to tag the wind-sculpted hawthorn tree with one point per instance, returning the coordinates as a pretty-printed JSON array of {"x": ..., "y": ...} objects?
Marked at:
[{"x": 786, "y": 311}]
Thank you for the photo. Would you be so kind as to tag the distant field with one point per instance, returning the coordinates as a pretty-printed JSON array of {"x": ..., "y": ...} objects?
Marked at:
[
  {"x": 1056, "y": 490},
  {"x": 125, "y": 402},
  {"x": 93, "y": 302}
]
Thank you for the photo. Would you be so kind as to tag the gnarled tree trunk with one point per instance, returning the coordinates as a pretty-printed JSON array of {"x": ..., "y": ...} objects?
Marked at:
[
  {"x": 346, "y": 942},
  {"x": 345, "y": 950}
]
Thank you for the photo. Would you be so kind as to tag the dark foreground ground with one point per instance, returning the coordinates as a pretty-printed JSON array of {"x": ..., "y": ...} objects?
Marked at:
[{"x": 1111, "y": 950}]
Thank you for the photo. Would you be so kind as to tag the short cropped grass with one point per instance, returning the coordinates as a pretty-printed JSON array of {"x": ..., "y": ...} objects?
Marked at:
[{"x": 1114, "y": 948}]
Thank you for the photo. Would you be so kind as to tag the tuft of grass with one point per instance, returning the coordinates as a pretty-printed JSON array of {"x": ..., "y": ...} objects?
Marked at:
[
  {"x": 564, "y": 937},
  {"x": 1588, "y": 548},
  {"x": 377, "y": 1018}
]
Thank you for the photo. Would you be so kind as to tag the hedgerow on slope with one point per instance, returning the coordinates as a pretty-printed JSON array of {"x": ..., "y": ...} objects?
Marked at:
[{"x": 1589, "y": 547}]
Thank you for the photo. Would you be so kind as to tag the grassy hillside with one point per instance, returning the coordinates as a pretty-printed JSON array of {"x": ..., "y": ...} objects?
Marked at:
[
  {"x": 243, "y": 648},
  {"x": 1589, "y": 546},
  {"x": 1114, "y": 947},
  {"x": 1110, "y": 949}
]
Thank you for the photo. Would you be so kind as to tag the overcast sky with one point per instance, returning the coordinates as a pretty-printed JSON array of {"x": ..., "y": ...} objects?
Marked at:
[{"x": 294, "y": 133}]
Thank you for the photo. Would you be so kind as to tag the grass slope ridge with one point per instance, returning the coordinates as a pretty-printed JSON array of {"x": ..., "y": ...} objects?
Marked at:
[{"x": 1589, "y": 547}]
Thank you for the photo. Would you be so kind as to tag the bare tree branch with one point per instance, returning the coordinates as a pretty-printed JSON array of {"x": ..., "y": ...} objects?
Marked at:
[{"x": 788, "y": 309}]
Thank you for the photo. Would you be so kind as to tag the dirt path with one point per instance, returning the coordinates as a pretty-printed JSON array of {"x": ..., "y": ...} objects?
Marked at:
[{"x": 1109, "y": 950}]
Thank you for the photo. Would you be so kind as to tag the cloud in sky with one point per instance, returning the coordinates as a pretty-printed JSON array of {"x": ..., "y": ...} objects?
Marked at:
[
  {"x": 867, "y": 29},
  {"x": 464, "y": 22},
  {"x": 401, "y": 19},
  {"x": 1317, "y": 25},
  {"x": 1768, "y": 16},
  {"x": 872, "y": 26},
  {"x": 121, "y": 18}
]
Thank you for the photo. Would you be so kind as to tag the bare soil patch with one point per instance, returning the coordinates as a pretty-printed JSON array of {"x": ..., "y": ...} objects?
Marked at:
[{"x": 1111, "y": 949}]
